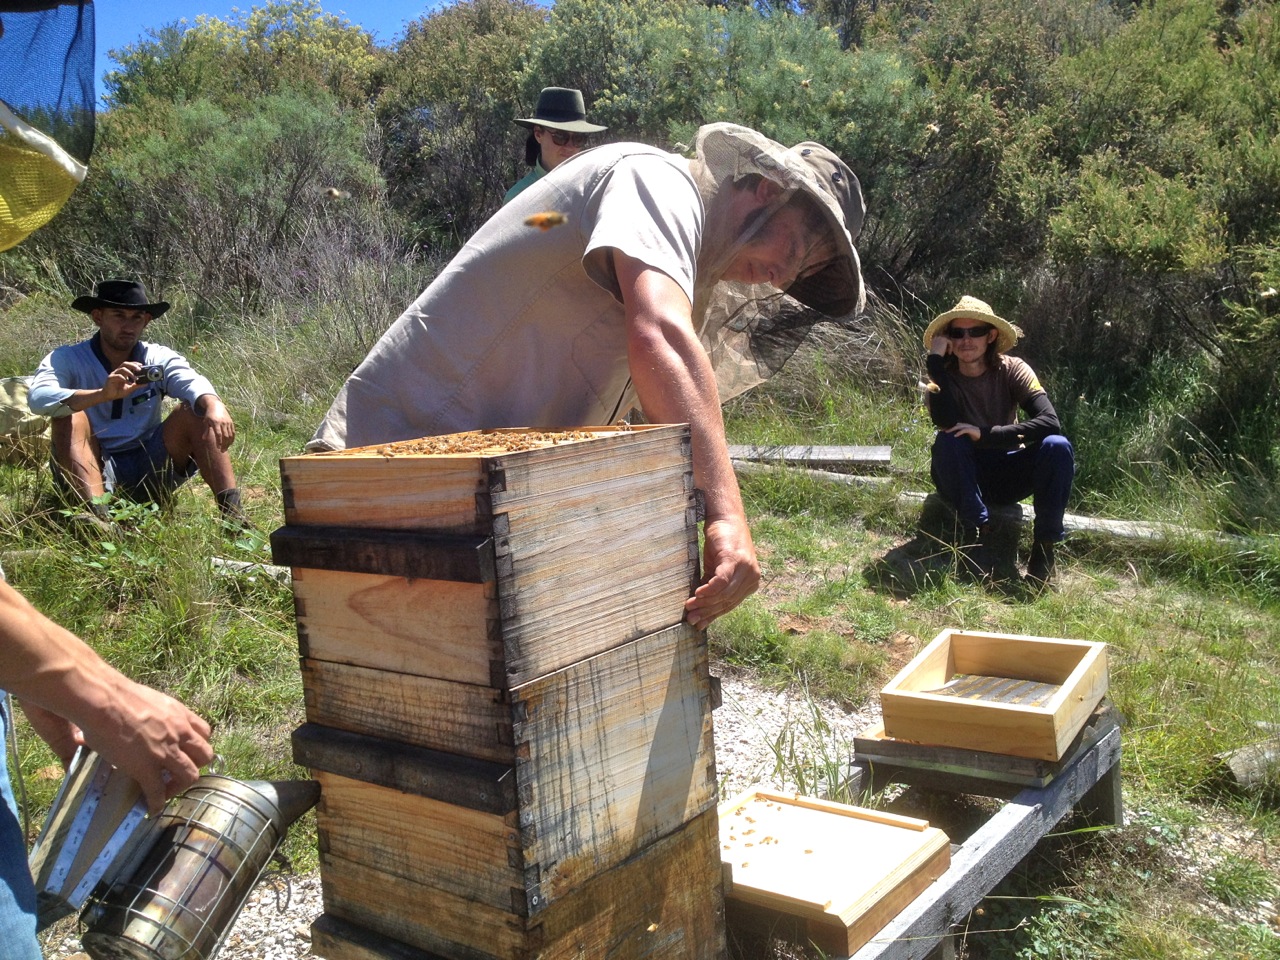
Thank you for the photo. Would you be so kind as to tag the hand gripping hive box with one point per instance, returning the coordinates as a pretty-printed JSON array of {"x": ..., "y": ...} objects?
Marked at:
[
  {"x": 1009, "y": 694},
  {"x": 510, "y": 721}
]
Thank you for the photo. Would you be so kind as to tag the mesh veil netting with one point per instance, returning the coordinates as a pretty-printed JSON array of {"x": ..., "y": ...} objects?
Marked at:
[
  {"x": 748, "y": 330},
  {"x": 46, "y": 110}
]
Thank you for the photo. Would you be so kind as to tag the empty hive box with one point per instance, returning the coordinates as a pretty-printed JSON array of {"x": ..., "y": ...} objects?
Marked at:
[
  {"x": 841, "y": 872},
  {"x": 1015, "y": 695},
  {"x": 510, "y": 722}
]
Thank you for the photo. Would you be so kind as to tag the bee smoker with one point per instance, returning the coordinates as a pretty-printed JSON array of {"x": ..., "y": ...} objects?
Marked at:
[{"x": 189, "y": 876}]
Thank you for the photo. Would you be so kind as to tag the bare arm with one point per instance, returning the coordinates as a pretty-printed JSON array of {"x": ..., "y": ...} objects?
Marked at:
[
  {"x": 150, "y": 736},
  {"x": 675, "y": 383},
  {"x": 121, "y": 382}
]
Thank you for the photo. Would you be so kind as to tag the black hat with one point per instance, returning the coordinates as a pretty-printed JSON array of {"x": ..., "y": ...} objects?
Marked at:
[
  {"x": 561, "y": 108},
  {"x": 125, "y": 294}
]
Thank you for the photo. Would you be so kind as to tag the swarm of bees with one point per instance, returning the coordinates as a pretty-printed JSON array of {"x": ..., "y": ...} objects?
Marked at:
[{"x": 545, "y": 220}]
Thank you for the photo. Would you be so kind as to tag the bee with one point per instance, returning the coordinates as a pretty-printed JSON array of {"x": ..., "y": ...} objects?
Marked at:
[
  {"x": 545, "y": 220},
  {"x": 805, "y": 84}
]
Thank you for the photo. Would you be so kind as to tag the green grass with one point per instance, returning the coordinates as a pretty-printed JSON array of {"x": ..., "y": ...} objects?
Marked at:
[{"x": 1190, "y": 622}]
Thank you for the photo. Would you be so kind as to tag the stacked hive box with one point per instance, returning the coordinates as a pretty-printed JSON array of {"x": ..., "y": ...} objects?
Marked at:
[{"x": 510, "y": 722}]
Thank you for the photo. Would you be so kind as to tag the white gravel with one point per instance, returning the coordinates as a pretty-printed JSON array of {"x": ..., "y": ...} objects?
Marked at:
[{"x": 752, "y": 719}]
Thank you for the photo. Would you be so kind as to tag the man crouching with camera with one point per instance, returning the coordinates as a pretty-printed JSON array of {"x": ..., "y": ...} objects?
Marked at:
[{"x": 106, "y": 395}]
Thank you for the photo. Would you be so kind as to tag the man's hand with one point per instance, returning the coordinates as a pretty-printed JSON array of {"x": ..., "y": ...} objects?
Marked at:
[
  {"x": 218, "y": 427},
  {"x": 154, "y": 739},
  {"x": 731, "y": 569}
]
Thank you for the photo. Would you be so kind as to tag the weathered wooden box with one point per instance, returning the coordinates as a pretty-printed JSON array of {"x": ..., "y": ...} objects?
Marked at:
[
  {"x": 842, "y": 872},
  {"x": 1001, "y": 693},
  {"x": 509, "y": 719},
  {"x": 601, "y": 759},
  {"x": 489, "y": 558}
]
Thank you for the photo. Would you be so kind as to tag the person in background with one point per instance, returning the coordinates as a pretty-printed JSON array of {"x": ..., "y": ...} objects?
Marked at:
[
  {"x": 604, "y": 287},
  {"x": 983, "y": 453},
  {"x": 72, "y": 696},
  {"x": 558, "y": 130},
  {"x": 106, "y": 395}
]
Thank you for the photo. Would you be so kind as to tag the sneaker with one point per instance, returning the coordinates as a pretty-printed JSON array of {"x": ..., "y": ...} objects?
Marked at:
[{"x": 1040, "y": 566}]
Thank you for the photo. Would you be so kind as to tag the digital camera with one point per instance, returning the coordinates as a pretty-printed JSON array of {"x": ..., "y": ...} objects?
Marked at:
[{"x": 152, "y": 373}]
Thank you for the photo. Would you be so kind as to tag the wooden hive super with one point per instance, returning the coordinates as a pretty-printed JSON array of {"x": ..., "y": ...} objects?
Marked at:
[
  {"x": 504, "y": 709},
  {"x": 999, "y": 693}
]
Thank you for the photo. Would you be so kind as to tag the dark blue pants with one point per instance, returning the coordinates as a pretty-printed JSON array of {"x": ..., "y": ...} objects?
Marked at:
[
  {"x": 969, "y": 477},
  {"x": 17, "y": 892}
]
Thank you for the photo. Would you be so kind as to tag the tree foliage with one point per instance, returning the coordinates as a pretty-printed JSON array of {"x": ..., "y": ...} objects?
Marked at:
[
  {"x": 1106, "y": 174},
  {"x": 283, "y": 45},
  {"x": 448, "y": 93}
]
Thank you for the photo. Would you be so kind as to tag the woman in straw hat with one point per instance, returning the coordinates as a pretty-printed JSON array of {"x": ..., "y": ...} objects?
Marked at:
[
  {"x": 558, "y": 129},
  {"x": 983, "y": 452}
]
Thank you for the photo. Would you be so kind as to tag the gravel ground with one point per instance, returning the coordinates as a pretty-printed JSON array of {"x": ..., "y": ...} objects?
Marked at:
[{"x": 275, "y": 922}]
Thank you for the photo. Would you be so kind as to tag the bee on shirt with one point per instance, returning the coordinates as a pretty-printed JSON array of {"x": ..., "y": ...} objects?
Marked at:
[{"x": 545, "y": 220}]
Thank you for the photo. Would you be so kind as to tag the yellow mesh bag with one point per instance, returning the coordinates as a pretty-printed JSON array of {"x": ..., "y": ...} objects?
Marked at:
[{"x": 36, "y": 178}]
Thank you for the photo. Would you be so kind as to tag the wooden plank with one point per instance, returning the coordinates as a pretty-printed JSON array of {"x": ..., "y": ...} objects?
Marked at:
[
  {"x": 394, "y": 553},
  {"x": 987, "y": 856},
  {"x": 667, "y": 902},
  {"x": 961, "y": 770},
  {"x": 613, "y": 752},
  {"x": 429, "y": 843},
  {"x": 476, "y": 784},
  {"x": 434, "y": 628},
  {"x": 829, "y": 456},
  {"x": 385, "y": 494},
  {"x": 457, "y": 718},
  {"x": 583, "y": 572},
  {"x": 336, "y": 939}
]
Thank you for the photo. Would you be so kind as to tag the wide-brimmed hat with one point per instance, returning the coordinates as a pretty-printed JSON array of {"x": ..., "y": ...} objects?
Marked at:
[
  {"x": 837, "y": 289},
  {"x": 971, "y": 308},
  {"x": 561, "y": 108},
  {"x": 124, "y": 294}
]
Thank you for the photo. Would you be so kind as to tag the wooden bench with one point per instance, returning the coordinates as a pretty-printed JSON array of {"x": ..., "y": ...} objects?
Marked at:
[{"x": 1038, "y": 794}]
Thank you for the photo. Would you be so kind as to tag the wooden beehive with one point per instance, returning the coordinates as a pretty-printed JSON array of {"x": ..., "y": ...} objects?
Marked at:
[
  {"x": 508, "y": 717},
  {"x": 539, "y": 556},
  {"x": 1000, "y": 693},
  {"x": 842, "y": 871}
]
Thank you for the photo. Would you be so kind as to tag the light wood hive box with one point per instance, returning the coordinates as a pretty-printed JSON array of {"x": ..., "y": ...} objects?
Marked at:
[
  {"x": 1000, "y": 693},
  {"x": 510, "y": 722},
  {"x": 841, "y": 871}
]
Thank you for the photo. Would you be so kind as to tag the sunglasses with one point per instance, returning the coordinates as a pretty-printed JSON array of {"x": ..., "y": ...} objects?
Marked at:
[
  {"x": 561, "y": 137},
  {"x": 973, "y": 333}
]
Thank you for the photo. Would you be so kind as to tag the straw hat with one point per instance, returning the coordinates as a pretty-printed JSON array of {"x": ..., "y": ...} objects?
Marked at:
[{"x": 971, "y": 308}]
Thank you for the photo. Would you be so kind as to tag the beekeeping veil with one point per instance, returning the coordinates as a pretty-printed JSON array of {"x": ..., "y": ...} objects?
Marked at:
[{"x": 750, "y": 330}]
